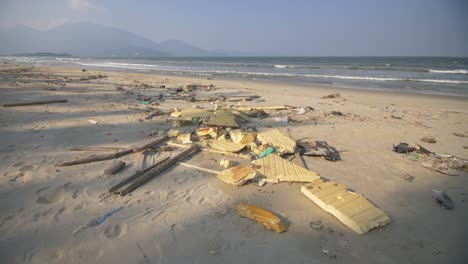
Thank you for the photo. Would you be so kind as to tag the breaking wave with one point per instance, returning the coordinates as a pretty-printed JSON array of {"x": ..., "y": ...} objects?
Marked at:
[{"x": 450, "y": 71}]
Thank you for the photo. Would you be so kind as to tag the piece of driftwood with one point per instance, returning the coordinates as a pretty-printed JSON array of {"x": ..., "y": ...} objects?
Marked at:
[
  {"x": 120, "y": 153},
  {"x": 199, "y": 168},
  {"x": 139, "y": 159},
  {"x": 36, "y": 103},
  {"x": 95, "y": 148},
  {"x": 94, "y": 158},
  {"x": 135, "y": 175},
  {"x": 116, "y": 167},
  {"x": 145, "y": 177},
  {"x": 150, "y": 144},
  {"x": 300, "y": 160}
]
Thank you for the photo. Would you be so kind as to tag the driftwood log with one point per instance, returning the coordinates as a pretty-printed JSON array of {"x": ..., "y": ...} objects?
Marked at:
[
  {"x": 36, "y": 103},
  {"x": 120, "y": 153}
]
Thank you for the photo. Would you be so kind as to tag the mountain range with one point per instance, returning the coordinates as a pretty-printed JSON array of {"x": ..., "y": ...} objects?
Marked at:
[{"x": 92, "y": 40}]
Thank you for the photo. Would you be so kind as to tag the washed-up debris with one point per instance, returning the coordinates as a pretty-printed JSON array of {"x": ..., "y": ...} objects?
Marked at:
[
  {"x": 94, "y": 122},
  {"x": 97, "y": 221},
  {"x": 185, "y": 138},
  {"x": 407, "y": 177},
  {"x": 120, "y": 153},
  {"x": 240, "y": 137},
  {"x": 116, "y": 167},
  {"x": 207, "y": 131},
  {"x": 266, "y": 152},
  {"x": 264, "y": 217},
  {"x": 223, "y": 118},
  {"x": 262, "y": 182},
  {"x": 87, "y": 148},
  {"x": 225, "y": 163},
  {"x": 237, "y": 175},
  {"x": 406, "y": 148},
  {"x": 199, "y": 168},
  {"x": 303, "y": 110},
  {"x": 282, "y": 119},
  {"x": 277, "y": 169},
  {"x": 280, "y": 142},
  {"x": 331, "y": 96},
  {"x": 443, "y": 199},
  {"x": 320, "y": 149},
  {"x": 336, "y": 113},
  {"x": 350, "y": 208},
  {"x": 139, "y": 160},
  {"x": 173, "y": 133},
  {"x": 250, "y": 108},
  {"x": 35, "y": 103},
  {"x": 256, "y": 113},
  {"x": 226, "y": 146},
  {"x": 192, "y": 113},
  {"x": 445, "y": 164},
  {"x": 429, "y": 140},
  {"x": 316, "y": 225},
  {"x": 459, "y": 134},
  {"x": 396, "y": 117},
  {"x": 227, "y": 153}
]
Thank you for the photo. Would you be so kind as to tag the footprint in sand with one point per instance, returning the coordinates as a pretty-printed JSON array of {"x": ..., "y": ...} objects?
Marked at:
[
  {"x": 50, "y": 196},
  {"x": 115, "y": 231}
]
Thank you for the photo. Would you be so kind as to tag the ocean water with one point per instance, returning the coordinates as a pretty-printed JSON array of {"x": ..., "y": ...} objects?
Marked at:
[{"x": 428, "y": 75}]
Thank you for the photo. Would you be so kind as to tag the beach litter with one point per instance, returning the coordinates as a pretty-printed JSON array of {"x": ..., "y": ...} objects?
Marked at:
[
  {"x": 264, "y": 217},
  {"x": 429, "y": 140},
  {"x": 35, "y": 103},
  {"x": 114, "y": 168},
  {"x": 443, "y": 199},
  {"x": 94, "y": 122},
  {"x": 97, "y": 221},
  {"x": 319, "y": 149},
  {"x": 352, "y": 209}
]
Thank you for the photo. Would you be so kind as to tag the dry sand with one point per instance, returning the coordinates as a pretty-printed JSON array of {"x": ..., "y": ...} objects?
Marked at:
[{"x": 186, "y": 216}]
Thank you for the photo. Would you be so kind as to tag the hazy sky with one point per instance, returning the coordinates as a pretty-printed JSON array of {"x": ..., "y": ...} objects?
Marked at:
[{"x": 293, "y": 27}]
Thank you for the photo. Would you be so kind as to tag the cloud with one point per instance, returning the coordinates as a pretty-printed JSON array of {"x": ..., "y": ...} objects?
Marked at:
[{"x": 85, "y": 5}]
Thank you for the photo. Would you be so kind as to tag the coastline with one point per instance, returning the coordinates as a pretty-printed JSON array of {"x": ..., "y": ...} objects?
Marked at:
[{"x": 186, "y": 214}]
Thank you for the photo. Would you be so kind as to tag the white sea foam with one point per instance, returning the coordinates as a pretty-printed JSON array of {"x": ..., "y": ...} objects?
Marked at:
[
  {"x": 450, "y": 71},
  {"x": 282, "y": 66},
  {"x": 67, "y": 59},
  {"x": 133, "y": 66}
]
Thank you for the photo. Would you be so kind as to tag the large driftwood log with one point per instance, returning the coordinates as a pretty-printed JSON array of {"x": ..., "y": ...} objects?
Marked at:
[
  {"x": 116, "y": 167},
  {"x": 156, "y": 171},
  {"x": 94, "y": 158},
  {"x": 35, "y": 103}
]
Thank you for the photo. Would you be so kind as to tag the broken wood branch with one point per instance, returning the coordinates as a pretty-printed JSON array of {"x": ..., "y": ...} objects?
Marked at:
[
  {"x": 150, "y": 144},
  {"x": 227, "y": 153},
  {"x": 147, "y": 176},
  {"x": 35, "y": 103},
  {"x": 95, "y": 149}
]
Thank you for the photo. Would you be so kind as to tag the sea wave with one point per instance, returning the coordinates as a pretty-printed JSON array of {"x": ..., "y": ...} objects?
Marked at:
[
  {"x": 133, "y": 66},
  {"x": 450, "y": 71},
  {"x": 283, "y": 66}
]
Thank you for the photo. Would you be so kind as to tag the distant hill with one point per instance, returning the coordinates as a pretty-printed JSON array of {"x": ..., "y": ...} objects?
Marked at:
[
  {"x": 91, "y": 40},
  {"x": 43, "y": 54}
]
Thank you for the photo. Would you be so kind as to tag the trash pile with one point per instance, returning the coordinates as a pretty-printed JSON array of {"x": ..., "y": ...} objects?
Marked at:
[
  {"x": 268, "y": 158},
  {"x": 444, "y": 163}
]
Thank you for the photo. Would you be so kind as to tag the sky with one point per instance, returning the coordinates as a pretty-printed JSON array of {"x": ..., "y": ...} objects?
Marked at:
[{"x": 283, "y": 28}]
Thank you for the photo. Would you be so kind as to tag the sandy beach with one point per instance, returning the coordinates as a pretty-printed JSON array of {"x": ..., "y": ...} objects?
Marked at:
[{"x": 188, "y": 216}]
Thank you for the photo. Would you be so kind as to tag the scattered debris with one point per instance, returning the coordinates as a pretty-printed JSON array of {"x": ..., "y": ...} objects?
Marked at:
[
  {"x": 223, "y": 118},
  {"x": 226, "y": 146},
  {"x": 116, "y": 167},
  {"x": 237, "y": 175},
  {"x": 266, "y": 218},
  {"x": 429, "y": 140},
  {"x": 97, "y": 221},
  {"x": 208, "y": 131},
  {"x": 443, "y": 199},
  {"x": 282, "y": 119},
  {"x": 199, "y": 168},
  {"x": 406, "y": 148},
  {"x": 277, "y": 169},
  {"x": 173, "y": 133},
  {"x": 266, "y": 152},
  {"x": 35, "y": 103},
  {"x": 459, "y": 134},
  {"x": 237, "y": 136},
  {"x": 331, "y": 96},
  {"x": 320, "y": 149},
  {"x": 185, "y": 138},
  {"x": 280, "y": 142},
  {"x": 407, "y": 177},
  {"x": 350, "y": 208},
  {"x": 337, "y": 113},
  {"x": 94, "y": 122},
  {"x": 316, "y": 225},
  {"x": 226, "y": 163},
  {"x": 396, "y": 117}
]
